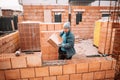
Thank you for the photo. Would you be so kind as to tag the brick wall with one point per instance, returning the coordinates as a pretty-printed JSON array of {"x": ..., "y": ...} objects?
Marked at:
[
  {"x": 9, "y": 43},
  {"x": 84, "y": 29},
  {"x": 29, "y": 33},
  {"x": 34, "y": 36},
  {"x": 49, "y": 52},
  {"x": 33, "y": 13},
  {"x": 115, "y": 49},
  {"x": 109, "y": 41},
  {"x": 36, "y": 13},
  {"x": 28, "y": 67}
]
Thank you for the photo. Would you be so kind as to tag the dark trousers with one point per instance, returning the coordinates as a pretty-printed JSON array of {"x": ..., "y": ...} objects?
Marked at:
[{"x": 63, "y": 55}]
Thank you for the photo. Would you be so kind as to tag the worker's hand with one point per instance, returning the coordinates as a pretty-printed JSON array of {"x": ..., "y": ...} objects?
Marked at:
[{"x": 61, "y": 45}]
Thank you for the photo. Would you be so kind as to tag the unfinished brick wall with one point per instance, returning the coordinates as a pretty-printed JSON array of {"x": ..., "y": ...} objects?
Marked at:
[
  {"x": 28, "y": 67},
  {"x": 9, "y": 43},
  {"x": 29, "y": 33},
  {"x": 84, "y": 29},
  {"x": 36, "y": 13},
  {"x": 51, "y": 26},
  {"x": 109, "y": 41},
  {"x": 89, "y": 15},
  {"x": 34, "y": 36},
  {"x": 33, "y": 13},
  {"x": 115, "y": 49},
  {"x": 49, "y": 52}
]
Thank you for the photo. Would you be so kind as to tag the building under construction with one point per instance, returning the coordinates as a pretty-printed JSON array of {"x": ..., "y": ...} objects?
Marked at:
[{"x": 29, "y": 39}]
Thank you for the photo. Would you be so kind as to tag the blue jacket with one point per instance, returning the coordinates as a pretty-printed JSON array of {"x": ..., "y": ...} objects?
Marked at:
[{"x": 69, "y": 46}]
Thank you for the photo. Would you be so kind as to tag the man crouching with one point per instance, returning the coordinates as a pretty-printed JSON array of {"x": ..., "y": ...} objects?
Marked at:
[{"x": 66, "y": 48}]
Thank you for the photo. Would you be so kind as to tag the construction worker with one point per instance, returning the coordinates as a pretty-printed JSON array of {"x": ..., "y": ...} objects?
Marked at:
[{"x": 66, "y": 48}]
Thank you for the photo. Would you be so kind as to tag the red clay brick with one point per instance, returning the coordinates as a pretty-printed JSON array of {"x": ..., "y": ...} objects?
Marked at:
[
  {"x": 2, "y": 75},
  {"x": 12, "y": 74},
  {"x": 94, "y": 66},
  {"x": 87, "y": 76},
  {"x": 69, "y": 69},
  {"x": 42, "y": 71},
  {"x": 55, "y": 39},
  {"x": 82, "y": 67},
  {"x": 43, "y": 27},
  {"x": 113, "y": 64},
  {"x": 106, "y": 65},
  {"x": 99, "y": 75},
  {"x": 19, "y": 62},
  {"x": 36, "y": 78},
  {"x": 109, "y": 79},
  {"x": 55, "y": 70},
  {"x": 51, "y": 27},
  {"x": 58, "y": 26},
  {"x": 5, "y": 63},
  {"x": 23, "y": 79},
  {"x": 110, "y": 74},
  {"x": 76, "y": 77},
  {"x": 34, "y": 61},
  {"x": 27, "y": 73},
  {"x": 50, "y": 78},
  {"x": 63, "y": 77}
]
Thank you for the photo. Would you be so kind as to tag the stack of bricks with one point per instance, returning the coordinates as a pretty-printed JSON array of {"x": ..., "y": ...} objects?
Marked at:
[
  {"x": 106, "y": 36},
  {"x": 9, "y": 43},
  {"x": 49, "y": 52},
  {"x": 28, "y": 67},
  {"x": 115, "y": 42},
  {"x": 29, "y": 33}
]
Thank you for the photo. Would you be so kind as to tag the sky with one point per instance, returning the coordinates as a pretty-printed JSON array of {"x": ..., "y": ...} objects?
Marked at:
[
  {"x": 38, "y": 2},
  {"x": 14, "y": 4},
  {"x": 10, "y": 4}
]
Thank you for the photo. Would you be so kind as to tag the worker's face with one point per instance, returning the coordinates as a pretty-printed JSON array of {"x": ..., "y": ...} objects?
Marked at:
[{"x": 66, "y": 30}]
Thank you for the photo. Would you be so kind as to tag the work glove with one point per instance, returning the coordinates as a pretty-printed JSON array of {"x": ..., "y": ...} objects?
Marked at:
[{"x": 61, "y": 45}]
